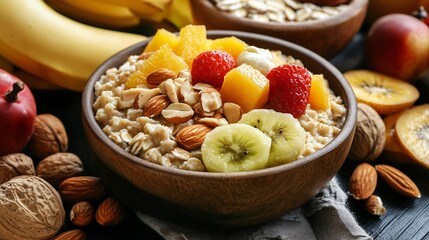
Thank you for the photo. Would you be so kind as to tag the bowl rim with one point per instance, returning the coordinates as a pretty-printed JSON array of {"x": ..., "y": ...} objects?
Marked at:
[
  {"x": 348, "y": 127},
  {"x": 353, "y": 9}
]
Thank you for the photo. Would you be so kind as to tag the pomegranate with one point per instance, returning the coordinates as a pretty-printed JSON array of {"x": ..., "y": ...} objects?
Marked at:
[{"x": 17, "y": 113}]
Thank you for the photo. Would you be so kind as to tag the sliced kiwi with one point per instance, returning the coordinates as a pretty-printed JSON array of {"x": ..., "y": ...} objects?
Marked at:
[
  {"x": 235, "y": 148},
  {"x": 287, "y": 135},
  {"x": 387, "y": 95},
  {"x": 412, "y": 129}
]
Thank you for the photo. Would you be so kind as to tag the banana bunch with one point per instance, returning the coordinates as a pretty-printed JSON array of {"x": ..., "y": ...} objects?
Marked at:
[
  {"x": 52, "y": 47},
  {"x": 124, "y": 13}
]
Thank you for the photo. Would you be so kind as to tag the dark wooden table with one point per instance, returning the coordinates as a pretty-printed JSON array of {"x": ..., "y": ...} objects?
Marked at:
[{"x": 405, "y": 218}]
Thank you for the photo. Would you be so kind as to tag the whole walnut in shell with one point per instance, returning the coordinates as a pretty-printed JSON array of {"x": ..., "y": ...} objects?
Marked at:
[
  {"x": 15, "y": 164},
  {"x": 369, "y": 140},
  {"x": 49, "y": 136},
  {"x": 59, "y": 166},
  {"x": 30, "y": 208}
]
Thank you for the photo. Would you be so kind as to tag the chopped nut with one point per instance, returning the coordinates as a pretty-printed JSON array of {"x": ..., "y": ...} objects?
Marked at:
[
  {"x": 374, "y": 205},
  {"x": 232, "y": 112},
  {"x": 210, "y": 99},
  {"x": 143, "y": 97},
  {"x": 178, "y": 113},
  {"x": 172, "y": 90}
]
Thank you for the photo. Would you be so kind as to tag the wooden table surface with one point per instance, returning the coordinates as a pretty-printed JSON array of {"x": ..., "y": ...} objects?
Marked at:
[{"x": 405, "y": 218}]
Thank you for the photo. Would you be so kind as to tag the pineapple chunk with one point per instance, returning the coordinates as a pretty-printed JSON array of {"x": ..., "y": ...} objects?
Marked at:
[
  {"x": 192, "y": 41},
  {"x": 160, "y": 38},
  {"x": 231, "y": 45}
]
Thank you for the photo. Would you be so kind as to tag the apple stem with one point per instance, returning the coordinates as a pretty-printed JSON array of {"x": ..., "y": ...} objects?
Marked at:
[{"x": 12, "y": 95}]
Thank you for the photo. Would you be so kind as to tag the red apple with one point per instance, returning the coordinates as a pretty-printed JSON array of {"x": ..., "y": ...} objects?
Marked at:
[
  {"x": 398, "y": 45},
  {"x": 17, "y": 114}
]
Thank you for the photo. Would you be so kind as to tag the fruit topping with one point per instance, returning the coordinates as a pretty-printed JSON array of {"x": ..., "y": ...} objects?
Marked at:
[
  {"x": 160, "y": 38},
  {"x": 289, "y": 89},
  {"x": 412, "y": 129},
  {"x": 259, "y": 58},
  {"x": 287, "y": 135},
  {"x": 163, "y": 58},
  {"x": 319, "y": 93},
  {"x": 246, "y": 87},
  {"x": 231, "y": 45},
  {"x": 211, "y": 66},
  {"x": 387, "y": 95},
  {"x": 192, "y": 41},
  {"x": 235, "y": 148}
]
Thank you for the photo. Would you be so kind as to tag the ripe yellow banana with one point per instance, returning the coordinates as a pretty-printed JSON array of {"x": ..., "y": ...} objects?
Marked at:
[
  {"x": 96, "y": 13},
  {"x": 32, "y": 81},
  {"x": 179, "y": 13},
  {"x": 51, "y": 46},
  {"x": 152, "y": 10}
]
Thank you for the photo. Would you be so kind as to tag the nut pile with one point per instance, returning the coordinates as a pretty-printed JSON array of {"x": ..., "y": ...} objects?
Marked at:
[
  {"x": 277, "y": 10},
  {"x": 35, "y": 195}
]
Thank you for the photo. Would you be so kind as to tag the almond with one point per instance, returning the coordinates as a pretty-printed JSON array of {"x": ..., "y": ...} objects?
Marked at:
[
  {"x": 210, "y": 99},
  {"x": 192, "y": 136},
  {"x": 75, "y": 234},
  {"x": 82, "y": 214},
  {"x": 363, "y": 181},
  {"x": 398, "y": 181},
  {"x": 111, "y": 212},
  {"x": 232, "y": 112},
  {"x": 159, "y": 76},
  {"x": 374, "y": 205},
  {"x": 155, "y": 105},
  {"x": 81, "y": 188},
  {"x": 178, "y": 113}
]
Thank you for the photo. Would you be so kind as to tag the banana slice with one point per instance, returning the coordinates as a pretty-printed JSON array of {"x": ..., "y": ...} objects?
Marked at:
[
  {"x": 385, "y": 94},
  {"x": 235, "y": 148},
  {"x": 287, "y": 135},
  {"x": 412, "y": 129}
]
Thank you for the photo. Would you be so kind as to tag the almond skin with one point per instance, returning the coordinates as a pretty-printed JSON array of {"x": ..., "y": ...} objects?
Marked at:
[
  {"x": 82, "y": 214},
  {"x": 374, "y": 205},
  {"x": 398, "y": 181},
  {"x": 111, "y": 212},
  {"x": 81, "y": 188},
  {"x": 155, "y": 105},
  {"x": 159, "y": 76},
  {"x": 363, "y": 181},
  {"x": 193, "y": 136},
  {"x": 75, "y": 234}
]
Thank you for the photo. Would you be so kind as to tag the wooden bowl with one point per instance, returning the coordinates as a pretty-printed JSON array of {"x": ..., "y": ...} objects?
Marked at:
[
  {"x": 232, "y": 199},
  {"x": 325, "y": 37}
]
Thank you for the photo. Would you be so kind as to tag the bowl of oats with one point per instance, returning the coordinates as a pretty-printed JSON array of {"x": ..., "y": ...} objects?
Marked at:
[
  {"x": 228, "y": 127},
  {"x": 324, "y": 29}
]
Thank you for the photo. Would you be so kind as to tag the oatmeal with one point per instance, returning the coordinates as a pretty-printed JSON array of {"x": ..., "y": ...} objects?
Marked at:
[{"x": 146, "y": 120}]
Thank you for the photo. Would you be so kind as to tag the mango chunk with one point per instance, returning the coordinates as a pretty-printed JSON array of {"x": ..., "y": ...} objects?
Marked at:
[
  {"x": 245, "y": 86},
  {"x": 319, "y": 93}
]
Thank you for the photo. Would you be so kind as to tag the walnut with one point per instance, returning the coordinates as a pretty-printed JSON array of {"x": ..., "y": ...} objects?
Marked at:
[
  {"x": 49, "y": 136},
  {"x": 369, "y": 140},
  {"x": 30, "y": 208},
  {"x": 13, "y": 165},
  {"x": 59, "y": 166}
]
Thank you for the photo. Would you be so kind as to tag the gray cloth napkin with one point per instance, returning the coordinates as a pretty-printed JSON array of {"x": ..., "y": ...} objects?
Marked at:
[{"x": 324, "y": 217}]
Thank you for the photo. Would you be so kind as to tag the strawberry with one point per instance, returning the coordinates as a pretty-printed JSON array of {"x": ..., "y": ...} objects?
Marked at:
[
  {"x": 289, "y": 89},
  {"x": 211, "y": 66}
]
